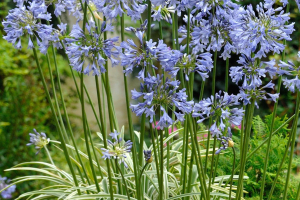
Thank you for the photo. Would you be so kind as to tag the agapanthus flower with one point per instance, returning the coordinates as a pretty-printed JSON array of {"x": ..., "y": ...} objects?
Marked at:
[
  {"x": 251, "y": 71},
  {"x": 200, "y": 63},
  {"x": 142, "y": 55},
  {"x": 73, "y": 6},
  {"x": 292, "y": 70},
  {"x": 298, "y": 3},
  {"x": 148, "y": 156},
  {"x": 162, "y": 12},
  {"x": 219, "y": 107},
  {"x": 158, "y": 95},
  {"x": 225, "y": 141},
  {"x": 258, "y": 94},
  {"x": 81, "y": 47},
  {"x": 210, "y": 31},
  {"x": 262, "y": 32},
  {"x": 6, "y": 194},
  {"x": 25, "y": 20},
  {"x": 39, "y": 140},
  {"x": 117, "y": 149},
  {"x": 113, "y": 8}
]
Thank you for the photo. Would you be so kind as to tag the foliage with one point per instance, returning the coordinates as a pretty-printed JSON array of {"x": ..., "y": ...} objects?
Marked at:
[{"x": 254, "y": 167}]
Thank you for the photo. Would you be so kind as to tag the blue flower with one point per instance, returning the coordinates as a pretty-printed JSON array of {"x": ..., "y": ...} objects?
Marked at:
[
  {"x": 291, "y": 70},
  {"x": 200, "y": 63},
  {"x": 219, "y": 107},
  {"x": 39, "y": 140},
  {"x": 79, "y": 48},
  {"x": 117, "y": 149},
  {"x": 148, "y": 156},
  {"x": 158, "y": 95},
  {"x": 225, "y": 141},
  {"x": 6, "y": 194},
  {"x": 112, "y": 9},
  {"x": 251, "y": 72},
  {"x": 261, "y": 33}
]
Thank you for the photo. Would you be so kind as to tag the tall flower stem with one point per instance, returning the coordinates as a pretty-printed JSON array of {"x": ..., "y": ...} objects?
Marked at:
[
  {"x": 226, "y": 74},
  {"x": 131, "y": 131},
  {"x": 67, "y": 118},
  {"x": 272, "y": 125},
  {"x": 249, "y": 116},
  {"x": 196, "y": 150},
  {"x": 124, "y": 181},
  {"x": 293, "y": 135},
  {"x": 155, "y": 150},
  {"x": 84, "y": 120},
  {"x": 63, "y": 143},
  {"x": 232, "y": 174}
]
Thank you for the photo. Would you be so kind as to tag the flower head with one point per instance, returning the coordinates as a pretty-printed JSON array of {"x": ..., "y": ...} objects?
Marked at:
[
  {"x": 117, "y": 149},
  {"x": 293, "y": 71},
  {"x": 113, "y": 8},
  {"x": 225, "y": 142},
  {"x": 39, "y": 140},
  {"x": 261, "y": 31},
  {"x": 79, "y": 48},
  {"x": 158, "y": 95},
  {"x": 6, "y": 194},
  {"x": 148, "y": 156},
  {"x": 219, "y": 107},
  {"x": 24, "y": 20},
  {"x": 251, "y": 72}
]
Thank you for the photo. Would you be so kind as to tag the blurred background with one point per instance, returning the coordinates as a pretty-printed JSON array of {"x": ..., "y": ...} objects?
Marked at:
[{"x": 23, "y": 106}]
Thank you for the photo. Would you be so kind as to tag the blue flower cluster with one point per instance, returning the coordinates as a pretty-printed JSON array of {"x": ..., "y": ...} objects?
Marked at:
[
  {"x": 117, "y": 149},
  {"x": 81, "y": 47},
  {"x": 291, "y": 70},
  {"x": 6, "y": 194},
  {"x": 27, "y": 20},
  {"x": 157, "y": 96},
  {"x": 219, "y": 107}
]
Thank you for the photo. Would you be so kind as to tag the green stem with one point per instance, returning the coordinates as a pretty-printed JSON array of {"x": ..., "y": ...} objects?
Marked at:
[
  {"x": 232, "y": 174},
  {"x": 68, "y": 120},
  {"x": 131, "y": 131},
  {"x": 226, "y": 74},
  {"x": 84, "y": 120},
  {"x": 210, "y": 119},
  {"x": 124, "y": 181},
  {"x": 269, "y": 144},
  {"x": 141, "y": 175},
  {"x": 249, "y": 117},
  {"x": 63, "y": 143},
  {"x": 293, "y": 135},
  {"x": 272, "y": 125}
]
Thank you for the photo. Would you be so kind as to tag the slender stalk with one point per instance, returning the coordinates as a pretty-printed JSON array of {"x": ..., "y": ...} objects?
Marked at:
[
  {"x": 84, "y": 120},
  {"x": 155, "y": 152},
  {"x": 226, "y": 74},
  {"x": 131, "y": 131},
  {"x": 68, "y": 120},
  {"x": 298, "y": 192},
  {"x": 292, "y": 144},
  {"x": 272, "y": 125},
  {"x": 124, "y": 181},
  {"x": 142, "y": 171},
  {"x": 269, "y": 144},
  {"x": 232, "y": 174},
  {"x": 49, "y": 155},
  {"x": 210, "y": 120},
  {"x": 63, "y": 143},
  {"x": 249, "y": 117}
]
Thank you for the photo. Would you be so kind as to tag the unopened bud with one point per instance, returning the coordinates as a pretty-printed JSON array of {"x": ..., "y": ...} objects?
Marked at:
[{"x": 230, "y": 143}]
